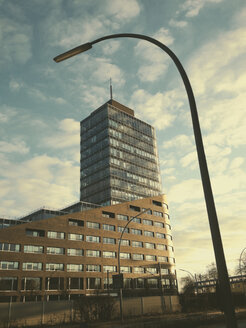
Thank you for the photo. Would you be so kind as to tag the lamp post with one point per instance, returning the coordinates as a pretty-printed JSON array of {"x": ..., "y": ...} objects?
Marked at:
[
  {"x": 121, "y": 300},
  {"x": 241, "y": 271},
  {"x": 193, "y": 278},
  {"x": 229, "y": 310}
]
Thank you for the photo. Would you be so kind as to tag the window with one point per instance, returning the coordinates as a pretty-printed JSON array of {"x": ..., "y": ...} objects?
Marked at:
[
  {"x": 157, "y": 213},
  {"x": 107, "y": 254},
  {"x": 108, "y": 227},
  {"x": 93, "y": 225},
  {"x": 170, "y": 248},
  {"x": 75, "y": 236},
  {"x": 164, "y": 271},
  {"x": 148, "y": 222},
  {"x": 150, "y": 245},
  {"x": 136, "y": 231},
  {"x": 93, "y": 283},
  {"x": 168, "y": 226},
  {"x": 165, "y": 206},
  {"x": 152, "y": 283},
  {"x": 33, "y": 249},
  {"x": 56, "y": 235},
  {"x": 171, "y": 259},
  {"x": 127, "y": 283},
  {"x": 93, "y": 268},
  {"x": 108, "y": 215},
  {"x": 155, "y": 202},
  {"x": 93, "y": 253},
  {"x": 137, "y": 243},
  {"x": 32, "y": 266},
  {"x": 8, "y": 283},
  {"x": 147, "y": 211},
  {"x": 150, "y": 257},
  {"x": 124, "y": 242},
  {"x": 107, "y": 283},
  {"x": 74, "y": 267},
  {"x": 75, "y": 283},
  {"x": 107, "y": 240},
  {"x": 158, "y": 224},
  {"x": 135, "y": 208},
  {"x": 75, "y": 252},
  {"x": 122, "y": 217},
  {"x": 162, "y": 258},
  {"x": 54, "y": 267},
  {"x": 149, "y": 233},
  {"x": 137, "y": 220},
  {"x": 109, "y": 268},
  {"x": 55, "y": 250},
  {"x": 161, "y": 247},
  {"x": 169, "y": 237},
  {"x": 138, "y": 270},
  {"x": 125, "y": 256},
  {"x": 6, "y": 247},
  {"x": 35, "y": 233},
  {"x": 160, "y": 235},
  {"x": 120, "y": 229},
  {"x": 125, "y": 269},
  {"x": 137, "y": 257},
  {"x": 29, "y": 283},
  {"x": 166, "y": 216},
  {"x": 151, "y": 270},
  {"x": 76, "y": 223},
  {"x": 139, "y": 283},
  {"x": 54, "y": 283},
  {"x": 93, "y": 239},
  {"x": 9, "y": 265}
]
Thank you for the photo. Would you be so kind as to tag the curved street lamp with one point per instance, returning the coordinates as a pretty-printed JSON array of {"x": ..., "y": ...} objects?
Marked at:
[
  {"x": 122, "y": 233},
  {"x": 193, "y": 278},
  {"x": 229, "y": 310}
]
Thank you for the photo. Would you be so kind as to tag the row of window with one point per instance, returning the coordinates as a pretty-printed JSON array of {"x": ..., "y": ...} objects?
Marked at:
[
  {"x": 36, "y": 249},
  {"x": 76, "y": 283},
  {"x": 95, "y": 239},
  {"x": 38, "y": 266}
]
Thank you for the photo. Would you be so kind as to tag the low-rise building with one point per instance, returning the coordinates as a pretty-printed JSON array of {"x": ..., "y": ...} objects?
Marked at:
[{"x": 65, "y": 256}]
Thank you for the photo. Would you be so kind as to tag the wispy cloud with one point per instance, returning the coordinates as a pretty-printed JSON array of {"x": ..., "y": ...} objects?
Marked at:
[
  {"x": 193, "y": 7},
  {"x": 16, "y": 40},
  {"x": 154, "y": 62}
]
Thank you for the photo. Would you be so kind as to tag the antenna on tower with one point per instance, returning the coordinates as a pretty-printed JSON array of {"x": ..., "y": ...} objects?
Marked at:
[{"x": 111, "y": 89}]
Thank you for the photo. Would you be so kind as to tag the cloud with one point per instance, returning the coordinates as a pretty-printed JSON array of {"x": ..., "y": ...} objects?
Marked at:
[
  {"x": 7, "y": 113},
  {"x": 154, "y": 60},
  {"x": 15, "y": 85},
  {"x": 179, "y": 24},
  {"x": 111, "y": 47},
  {"x": 67, "y": 135},
  {"x": 104, "y": 69},
  {"x": 123, "y": 11},
  {"x": 158, "y": 109},
  {"x": 15, "y": 39},
  {"x": 180, "y": 141},
  {"x": 38, "y": 181},
  {"x": 16, "y": 146},
  {"x": 193, "y": 7}
]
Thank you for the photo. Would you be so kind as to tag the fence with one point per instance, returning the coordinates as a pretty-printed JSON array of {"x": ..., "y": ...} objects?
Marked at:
[{"x": 53, "y": 312}]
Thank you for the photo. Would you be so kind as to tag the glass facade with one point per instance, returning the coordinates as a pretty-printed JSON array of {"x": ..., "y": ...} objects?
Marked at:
[{"x": 119, "y": 160}]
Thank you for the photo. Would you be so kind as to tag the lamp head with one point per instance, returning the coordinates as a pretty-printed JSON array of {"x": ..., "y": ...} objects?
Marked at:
[{"x": 73, "y": 52}]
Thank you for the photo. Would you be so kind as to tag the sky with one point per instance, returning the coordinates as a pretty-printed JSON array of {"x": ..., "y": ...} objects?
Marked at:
[{"x": 42, "y": 103}]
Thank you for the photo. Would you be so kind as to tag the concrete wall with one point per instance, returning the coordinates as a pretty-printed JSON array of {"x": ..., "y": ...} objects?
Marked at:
[{"x": 32, "y": 313}]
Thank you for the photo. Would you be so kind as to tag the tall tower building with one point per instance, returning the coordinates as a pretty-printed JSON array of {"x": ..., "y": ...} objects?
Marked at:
[{"x": 119, "y": 160}]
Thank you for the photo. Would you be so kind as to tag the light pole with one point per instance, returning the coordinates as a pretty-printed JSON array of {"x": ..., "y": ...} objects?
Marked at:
[
  {"x": 121, "y": 300},
  {"x": 229, "y": 310},
  {"x": 193, "y": 278},
  {"x": 241, "y": 271}
]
